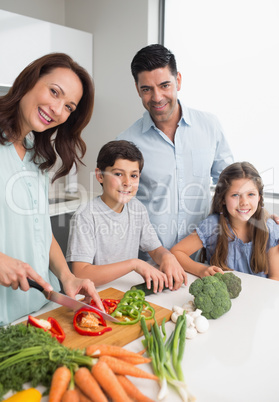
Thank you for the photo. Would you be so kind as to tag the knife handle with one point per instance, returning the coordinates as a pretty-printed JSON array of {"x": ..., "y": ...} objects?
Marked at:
[{"x": 35, "y": 285}]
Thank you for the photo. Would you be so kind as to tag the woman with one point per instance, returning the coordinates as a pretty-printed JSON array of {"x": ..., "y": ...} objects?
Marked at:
[{"x": 42, "y": 115}]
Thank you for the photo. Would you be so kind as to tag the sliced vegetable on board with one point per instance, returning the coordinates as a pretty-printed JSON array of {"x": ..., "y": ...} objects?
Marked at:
[
  {"x": 109, "y": 304},
  {"x": 132, "y": 307},
  {"x": 89, "y": 323},
  {"x": 50, "y": 325}
]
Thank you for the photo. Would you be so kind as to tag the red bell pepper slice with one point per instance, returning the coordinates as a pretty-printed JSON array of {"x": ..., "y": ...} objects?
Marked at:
[
  {"x": 87, "y": 322},
  {"x": 109, "y": 304},
  {"x": 50, "y": 325}
]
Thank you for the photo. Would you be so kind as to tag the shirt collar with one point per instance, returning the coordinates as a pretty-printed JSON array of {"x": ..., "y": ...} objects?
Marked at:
[
  {"x": 148, "y": 122},
  {"x": 185, "y": 114}
]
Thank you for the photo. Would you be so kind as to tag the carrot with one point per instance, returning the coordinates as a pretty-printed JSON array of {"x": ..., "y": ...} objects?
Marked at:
[
  {"x": 89, "y": 386},
  {"x": 71, "y": 395},
  {"x": 108, "y": 350},
  {"x": 59, "y": 383},
  {"x": 108, "y": 381},
  {"x": 82, "y": 396},
  {"x": 119, "y": 366},
  {"x": 136, "y": 359},
  {"x": 132, "y": 390},
  {"x": 141, "y": 352}
]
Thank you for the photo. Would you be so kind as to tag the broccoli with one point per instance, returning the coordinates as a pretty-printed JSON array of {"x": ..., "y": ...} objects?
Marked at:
[
  {"x": 232, "y": 282},
  {"x": 211, "y": 296}
]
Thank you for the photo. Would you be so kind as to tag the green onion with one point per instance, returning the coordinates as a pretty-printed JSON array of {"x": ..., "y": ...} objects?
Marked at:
[{"x": 167, "y": 355}]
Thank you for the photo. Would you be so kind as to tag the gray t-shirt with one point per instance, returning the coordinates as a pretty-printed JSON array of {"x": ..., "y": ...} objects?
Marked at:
[{"x": 99, "y": 235}]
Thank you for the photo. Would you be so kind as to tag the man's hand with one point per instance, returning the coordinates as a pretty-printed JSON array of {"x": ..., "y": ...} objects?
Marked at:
[{"x": 174, "y": 271}]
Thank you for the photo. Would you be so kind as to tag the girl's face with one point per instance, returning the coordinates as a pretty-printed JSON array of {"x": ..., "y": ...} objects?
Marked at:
[
  {"x": 242, "y": 200},
  {"x": 51, "y": 101},
  {"x": 120, "y": 183}
]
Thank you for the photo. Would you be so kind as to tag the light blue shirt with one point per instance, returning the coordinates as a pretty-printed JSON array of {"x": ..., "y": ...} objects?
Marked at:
[
  {"x": 25, "y": 229},
  {"x": 176, "y": 178},
  {"x": 239, "y": 253}
]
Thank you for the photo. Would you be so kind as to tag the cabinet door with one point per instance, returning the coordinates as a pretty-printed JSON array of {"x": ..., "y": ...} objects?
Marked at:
[{"x": 24, "y": 39}]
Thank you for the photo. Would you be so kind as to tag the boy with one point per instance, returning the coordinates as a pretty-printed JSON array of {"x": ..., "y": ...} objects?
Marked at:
[{"x": 107, "y": 233}]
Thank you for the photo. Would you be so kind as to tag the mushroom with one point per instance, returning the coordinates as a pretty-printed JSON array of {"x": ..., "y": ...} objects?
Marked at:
[{"x": 201, "y": 323}]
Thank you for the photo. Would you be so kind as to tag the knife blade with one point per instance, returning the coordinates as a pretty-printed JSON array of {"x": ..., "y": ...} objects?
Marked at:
[{"x": 67, "y": 301}]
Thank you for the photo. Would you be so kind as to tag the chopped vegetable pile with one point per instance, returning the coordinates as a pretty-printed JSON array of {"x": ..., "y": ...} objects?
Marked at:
[{"x": 132, "y": 307}]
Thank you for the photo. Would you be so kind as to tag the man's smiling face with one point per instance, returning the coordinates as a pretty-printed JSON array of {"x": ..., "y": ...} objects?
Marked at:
[{"x": 158, "y": 91}]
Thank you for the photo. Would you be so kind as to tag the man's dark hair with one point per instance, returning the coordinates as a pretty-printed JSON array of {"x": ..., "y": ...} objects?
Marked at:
[
  {"x": 151, "y": 57},
  {"x": 121, "y": 149}
]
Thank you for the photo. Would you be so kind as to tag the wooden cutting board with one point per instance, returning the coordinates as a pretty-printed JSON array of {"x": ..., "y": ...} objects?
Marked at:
[{"x": 119, "y": 335}]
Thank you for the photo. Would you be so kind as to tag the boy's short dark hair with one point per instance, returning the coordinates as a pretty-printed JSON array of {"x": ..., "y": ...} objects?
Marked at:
[
  {"x": 121, "y": 149},
  {"x": 151, "y": 57}
]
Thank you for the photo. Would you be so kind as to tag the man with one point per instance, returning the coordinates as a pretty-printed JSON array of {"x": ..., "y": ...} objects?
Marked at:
[{"x": 183, "y": 149}]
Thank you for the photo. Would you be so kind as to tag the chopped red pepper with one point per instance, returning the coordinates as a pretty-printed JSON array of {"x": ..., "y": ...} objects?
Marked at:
[
  {"x": 50, "y": 325},
  {"x": 87, "y": 322},
  {"x": 109, "y": 304}
]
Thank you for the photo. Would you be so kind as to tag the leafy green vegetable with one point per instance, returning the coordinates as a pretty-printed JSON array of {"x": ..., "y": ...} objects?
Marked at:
[
  {"x": 232, "y": 282},
  {"x": 211, "y": 296},
  {"x": 29, "y": 354}
]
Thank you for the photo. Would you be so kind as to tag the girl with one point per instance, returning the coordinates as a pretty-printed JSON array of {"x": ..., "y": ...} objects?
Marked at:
[
  {"x": 42, "y": 115},
  {"x": 237, "y": 234}
]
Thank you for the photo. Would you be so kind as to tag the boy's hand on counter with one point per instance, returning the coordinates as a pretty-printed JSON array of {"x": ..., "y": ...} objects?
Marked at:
[{"x": 150, "y": 273}]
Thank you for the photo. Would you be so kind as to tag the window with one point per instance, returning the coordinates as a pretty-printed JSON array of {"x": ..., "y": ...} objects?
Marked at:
[{"x": 227, "y": 52}]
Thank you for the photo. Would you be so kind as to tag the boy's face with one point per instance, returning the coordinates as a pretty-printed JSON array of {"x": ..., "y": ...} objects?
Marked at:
[{"x": 120, "y": 183}]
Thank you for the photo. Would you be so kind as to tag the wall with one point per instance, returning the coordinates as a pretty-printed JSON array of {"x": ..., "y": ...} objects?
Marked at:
[
  {"x": 50, "y": 10},
  {"x": 120, "y": 28}
]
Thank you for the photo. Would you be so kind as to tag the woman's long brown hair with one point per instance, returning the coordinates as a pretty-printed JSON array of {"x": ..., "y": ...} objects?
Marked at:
[
  {"x": 257, "y": 223},
  {"x": 65, "y": 139}
]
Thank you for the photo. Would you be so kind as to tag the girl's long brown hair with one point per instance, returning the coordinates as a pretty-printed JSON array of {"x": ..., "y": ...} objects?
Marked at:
[
  {"x": 257, "y": 223},
  {"x": 67, "y": 142}
]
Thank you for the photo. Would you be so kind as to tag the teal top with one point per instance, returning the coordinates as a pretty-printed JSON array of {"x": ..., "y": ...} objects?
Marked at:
[{"x": 25, "y": 228}]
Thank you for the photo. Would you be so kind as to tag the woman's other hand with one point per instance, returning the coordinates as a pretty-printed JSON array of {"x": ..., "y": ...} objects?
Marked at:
[{"x": 73, "y": 286}]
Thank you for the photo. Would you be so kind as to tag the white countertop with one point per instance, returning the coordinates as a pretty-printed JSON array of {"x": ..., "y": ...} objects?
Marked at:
[{"x": 236, "y": 360}]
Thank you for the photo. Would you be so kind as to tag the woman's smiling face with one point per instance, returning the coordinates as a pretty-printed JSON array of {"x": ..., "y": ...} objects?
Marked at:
[{"x": 51, "y": 101}]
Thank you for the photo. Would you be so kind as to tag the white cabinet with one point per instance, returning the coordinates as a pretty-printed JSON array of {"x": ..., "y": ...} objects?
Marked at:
[{"x": 24, "y": 39}]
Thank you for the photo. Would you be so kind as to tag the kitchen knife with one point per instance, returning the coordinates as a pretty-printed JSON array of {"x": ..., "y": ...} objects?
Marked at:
[{"x": 68, "y": 301}]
